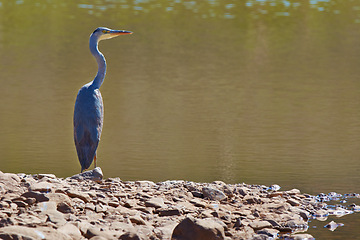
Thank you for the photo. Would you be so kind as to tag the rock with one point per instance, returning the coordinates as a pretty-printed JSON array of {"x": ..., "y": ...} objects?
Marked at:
[
  {"x": 252, "y": 199},
  {"x": 293, "y": 202},
  {"x": 213, "y": 194},
  {"x": 56, "y": 217},
  {"x": 293, "y": 191},
  {"x": 198, "y": 229},
  {"x": 94, "y": 175},
  {"x": 45, "y": 207},
  {"x": 5, "y": 221},
  {"x": 321, "y": 214},
  {"x": 339, "y": 212},
  {"x": 197, "y": 194},
  {"x": 301, "y": 236},
  {"x": 259, "y": 224},
  {"x": 130, "y": 236},
  {"x": 275, "y": 194},
  {"x": 41, "y": 175},
  {"x": 22, "y": 232},
  {"x": 137, "y": 220},
  {"x": 40, "y": 197},
  {"x": 64, "y": 208},
  {"x": 155, "y": 202},
  {"x": 20, "y": 204},
  {"x": 8, "y": 181},
  {"x": 98, "y": 238},
  {"x": 71, "y": 230},
  {"x": 269, "y": 232},
  {"x": 114, "y": 204},
  {"x": 59, "y": 198},
  {"x": 168, "y": 212},
  {"x": 41, "y": 187},
  {"x": 93, "y": 231},
  {"x": 274, "y": 187},
  {"x": 145, "y": 183},
  {"x": 333, "y": 225},
  {"x": 242, "y": 191},
  {"x": 198, "y": 203},
  {"x": 81, "y": 195},
  {"x": 164, "y": 231}
]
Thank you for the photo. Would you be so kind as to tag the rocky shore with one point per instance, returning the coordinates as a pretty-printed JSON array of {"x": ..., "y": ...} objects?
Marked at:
[{"x": 85, "y": 206}]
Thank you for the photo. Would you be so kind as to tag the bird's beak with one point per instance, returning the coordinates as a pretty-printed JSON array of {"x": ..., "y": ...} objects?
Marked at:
[{"x": 119, "y": 32}]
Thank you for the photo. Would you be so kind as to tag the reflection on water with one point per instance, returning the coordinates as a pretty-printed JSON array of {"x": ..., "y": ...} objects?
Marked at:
[{"x": 209, "y": 8}]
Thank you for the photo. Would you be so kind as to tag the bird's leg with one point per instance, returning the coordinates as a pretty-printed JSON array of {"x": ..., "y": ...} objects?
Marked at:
[{"x": 95, "y": 160}]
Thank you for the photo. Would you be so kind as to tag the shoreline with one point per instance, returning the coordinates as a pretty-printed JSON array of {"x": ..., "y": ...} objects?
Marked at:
[{"x": 85, "y": 206}]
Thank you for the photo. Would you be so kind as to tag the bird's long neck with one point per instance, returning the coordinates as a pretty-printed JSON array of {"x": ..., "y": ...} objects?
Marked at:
[{"x": 100, "y": 59}]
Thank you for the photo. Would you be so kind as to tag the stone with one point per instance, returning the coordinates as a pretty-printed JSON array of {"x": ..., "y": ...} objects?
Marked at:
[
  {"x": 242, "y": 191},
  {"x": 20, "y": 204},
  {"x": 95, "y": 175},
  {"x": 197, "y": 194},
  {"x": 59, "y": 198},
  {"x": 27, "y": 233},
  {"x": 42, "y": 187},
  {"x": 333, "y": 225},
  {"x": 40, "y": 197},
  {"x": 269, "y": 232},
  {"x": 304, "y": 214},
  {"x": 94, "y": 231},
  {"x": 130, "y": 235},
  {"x": 213, "y": 194},
  {"x": 145, "y": 183},
  {"x": 198, "y": 229},
  {"x": 31, "y": 220},
  {"x": 321, "y": 214},
  {"x": 45, "y": 207},
  {"x": 98, "y": 238},
  {"x": 259, "y": 224},
  {"x": 114, "y": 204},
  {"x": 274, "y": 187},
  {"x": 293, "y": 191},
  {"x": 56, "y": 217},
  {"x": 198, "y": 203},
  {"x": 293, "y": 202},
  {"x": 71, "y": 230},
  {"x": 164, "y": 231},
  {"x": 8, "y": 181},
  {"x": 275, "y": 194},
  {"x": 42, "y": 175},
  {"x": 81, "y": 195},
  {"x": 137, "y": 220},
  {"x": 155, "y": 203},
  {"x": 301, "y": 236},
  {"x": 168, "y": 212},
  {"x": 252, "y": 199},
  {"x": 64, "y": 208}
]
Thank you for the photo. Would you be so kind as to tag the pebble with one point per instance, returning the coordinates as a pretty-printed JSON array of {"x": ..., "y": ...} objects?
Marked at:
[
  {"x": 213, "y": 194},
  {"x": 84, "y": 206},
  {"x": 333, "y": 225}
]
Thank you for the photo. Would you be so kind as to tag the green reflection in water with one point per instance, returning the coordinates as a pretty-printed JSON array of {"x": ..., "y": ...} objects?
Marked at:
[{"x": 257, "y": 91}]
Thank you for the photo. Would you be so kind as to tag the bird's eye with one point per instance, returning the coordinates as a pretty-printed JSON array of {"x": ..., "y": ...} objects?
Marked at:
[{"x": 105, "y": 31}]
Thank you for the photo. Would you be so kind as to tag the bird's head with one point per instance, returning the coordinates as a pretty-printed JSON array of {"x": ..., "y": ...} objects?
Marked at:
[{"x": 102, "y": 33}]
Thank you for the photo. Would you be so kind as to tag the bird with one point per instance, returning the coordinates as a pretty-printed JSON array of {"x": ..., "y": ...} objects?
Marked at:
[{"x": 89, "y": 108}]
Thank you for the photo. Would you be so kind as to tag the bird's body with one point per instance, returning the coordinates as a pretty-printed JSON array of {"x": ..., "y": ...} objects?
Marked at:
[
  {"x": 89, "y": 110},
  {"x": 88, "y": 122}
]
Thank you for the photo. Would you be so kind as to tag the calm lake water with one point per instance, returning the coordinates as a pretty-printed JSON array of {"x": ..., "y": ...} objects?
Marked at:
[{"x": 262, "y": 92}]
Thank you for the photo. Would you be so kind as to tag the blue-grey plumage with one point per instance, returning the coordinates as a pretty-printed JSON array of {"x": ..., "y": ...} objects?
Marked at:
[{"x": 89, "y": 110}]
